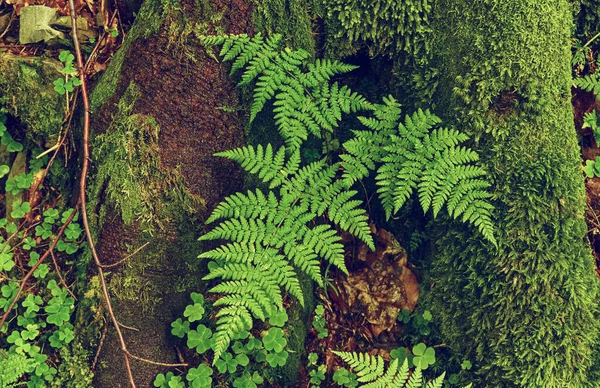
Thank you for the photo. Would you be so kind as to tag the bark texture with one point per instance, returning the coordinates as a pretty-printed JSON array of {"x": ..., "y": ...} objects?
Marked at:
[{"x": 157, "y": 122}]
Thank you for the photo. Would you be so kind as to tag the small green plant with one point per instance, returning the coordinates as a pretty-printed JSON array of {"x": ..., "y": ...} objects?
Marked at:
[
  {"x": 371, "y": 371},
  {"x": 590, "y": 120},
  {"x": 319, "y": 322},
  {"x": 7, "y": 140},
  {"x": 345, "y": 378},
  {"x": 592, "y": 168},
  {"x": 70, "y": 80}
]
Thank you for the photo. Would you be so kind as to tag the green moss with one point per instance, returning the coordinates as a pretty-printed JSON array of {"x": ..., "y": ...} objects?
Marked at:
[
  {"x": 290, "y": 18},
  {"x": 73, "y": 371},
  {"x": 27, "y": 92},
  {"x": 129, "y": 174},
  {"x": 526, "y": 313},
  {"x": 383, "y": 26},
  {"x": 149, "y": 20}
]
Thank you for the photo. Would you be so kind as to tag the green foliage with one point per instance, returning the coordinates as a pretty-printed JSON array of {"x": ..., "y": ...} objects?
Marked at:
[
  {"x": 592, "y": 168},
  {"x": 412, "y": 156},
  {"x": 371, "y": 371},
  {"x": 507, "y": 81},
  {"x": 384, "y": 26},
  {"x": 68, "y": 83},
  {"x": 7, "y": 140},
  {"x": 345, "y": 378},
  {"x": 319, "y": 322},
  {"x": 39, "y": 323},
  {"x": 589, "y": 83},
  {"x": 590, "y": 120},
  {"x": 305, "y": 100},
  {"x": 272, "y": 237}
]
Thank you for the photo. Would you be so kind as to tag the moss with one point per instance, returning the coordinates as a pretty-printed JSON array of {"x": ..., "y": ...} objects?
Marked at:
[
  {"x": 130, "y": 174},
  {"x": 146, "y": 23},
  {"x": 27, "y": 92},
  {"x": 290, "y": 18},
  {"x": 525, "y": 314},
  {"x": 73, "y": 371},
  {"x": 382, "y": 26}
]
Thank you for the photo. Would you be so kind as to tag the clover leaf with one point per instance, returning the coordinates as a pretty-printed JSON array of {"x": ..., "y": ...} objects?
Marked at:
[
  {"x": 226, "y": 363},
  {"x": 466, "y": 365},
  {"x": 399, "y": 353},
  {"x": 200, "y": 377},
  {"x": 404, "y": 316},
  {"x": 180, "y": 327},
  {"x": 424, "y": 356},
  {"x": 274, "y": 340},
  {"x": 199, "y": 339},
  {"x": 345, "y": 378},
  {"x": 194, "y": 312},
  {"x": 41, "y": 271},
  {"x": 277, "y": 359},
  {"x": 20, "y": 209},
  {"x": 278, "y": 319},
  {"x": 4, "y": 169}
]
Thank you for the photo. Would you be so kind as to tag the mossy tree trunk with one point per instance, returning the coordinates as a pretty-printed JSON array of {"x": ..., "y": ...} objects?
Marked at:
[
  {"x": 524, "y": 313},
  {"x": 158, "y": 116}
]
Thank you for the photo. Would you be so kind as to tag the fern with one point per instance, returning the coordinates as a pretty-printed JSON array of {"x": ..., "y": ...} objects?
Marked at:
[
  {"x": 305, "y": 102},
  {"x": 273, "y": 235},
  {"x": 371, "y": 371},
  {"x": 590, "y": 83},
  {"x": 13, "y": 368},
  {"x": 415, "y": 155}
]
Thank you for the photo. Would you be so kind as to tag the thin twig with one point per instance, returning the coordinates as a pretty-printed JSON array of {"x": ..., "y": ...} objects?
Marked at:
[
  {"x": 128, "y": 327},
  {"x": 12, "y": 17},
  {"x": 100, "y": 346},
  {"x": 154, "y": 362},
  {"x": 82, "y": 193},
  {"x": 126, "y": 258},
  {"x": 62, "y": 280}
]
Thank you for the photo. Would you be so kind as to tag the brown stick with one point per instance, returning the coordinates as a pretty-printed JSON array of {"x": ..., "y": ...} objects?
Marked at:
[{"x": 82, "y": 192}]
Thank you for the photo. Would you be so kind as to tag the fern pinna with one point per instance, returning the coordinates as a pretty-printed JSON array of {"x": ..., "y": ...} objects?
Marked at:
[
  {"x": 306, "y": 102},
  {"x": 411, "y": 155},
  {"x": 274, "y": 235},
  {"x": 371, "y": 371}
]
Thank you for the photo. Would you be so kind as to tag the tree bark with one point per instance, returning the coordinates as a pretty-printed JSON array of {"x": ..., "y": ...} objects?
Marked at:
[{"x": 157, "y": 123}]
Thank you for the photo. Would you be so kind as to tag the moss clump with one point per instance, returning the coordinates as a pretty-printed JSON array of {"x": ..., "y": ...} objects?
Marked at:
[
  {"x": 525, "y": 313},
  {"x": 26, "y": 91},
  {"x": 146, "y": 24},
  {"x": 130, "y": 174},
  {"x": 290, "y": 18},
  {"x": 73, "y": 371},
  {"x": 383, "y": 26}
]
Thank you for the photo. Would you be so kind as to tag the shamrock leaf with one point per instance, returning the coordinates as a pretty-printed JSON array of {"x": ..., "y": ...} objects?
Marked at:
[
  {"x": 194, "y": 312},
  {"x": 4, "y": 169},
  {"x": 41, "y": 271},
  {"x": 200, "y": 377},
  {"x": 345, "y": 378},
  {"x": 399, "y": 353},
  {"x": 424, "y": 356},
  {"x": 199, "y": 339},
  {"x": 274, "y": 340},
  {"x": 278, "y": 319},
  {"x": 180, "y": 327},
  {"x": 20, "y": 209},
  {"x": 466, "y": 365},
  {"x": 404, "y": 316},
  {"x": 226, "y": 363},
  {"x": 277, "y": 359}
]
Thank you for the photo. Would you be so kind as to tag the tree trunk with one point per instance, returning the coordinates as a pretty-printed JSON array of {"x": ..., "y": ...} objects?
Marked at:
[
  {"x": 157, "y": 118},
  {"x": 525, "y": 314}
]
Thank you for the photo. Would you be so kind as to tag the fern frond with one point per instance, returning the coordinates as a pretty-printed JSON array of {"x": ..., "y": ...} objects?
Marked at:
[
  {"x": 371, "y": 371},
  {"x": 231, "y": 320},
  {"x": 590, "y": 83},
  {"x": 252, "y": 205},
  {"x": 257, "y": 160}
]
